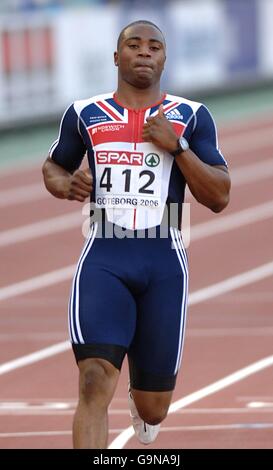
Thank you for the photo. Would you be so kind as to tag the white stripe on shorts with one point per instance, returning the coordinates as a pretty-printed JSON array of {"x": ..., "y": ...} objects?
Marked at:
[
  {"x": 74, "y": 317},
  {"x": 182, "y": 257}
]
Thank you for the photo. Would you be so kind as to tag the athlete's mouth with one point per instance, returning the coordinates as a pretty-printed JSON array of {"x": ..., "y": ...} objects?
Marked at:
[{"x": 143, "y": 65}]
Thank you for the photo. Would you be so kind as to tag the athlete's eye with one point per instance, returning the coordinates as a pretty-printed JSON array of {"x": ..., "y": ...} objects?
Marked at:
[
  {"x": 154, "y": 48},
  {"x": 133, "y": 46}
]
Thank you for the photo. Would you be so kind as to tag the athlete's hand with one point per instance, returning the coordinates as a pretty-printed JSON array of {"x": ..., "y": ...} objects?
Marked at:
[
  {"x": 80, "y": 185},
  {"x": 160, "y": 132}
]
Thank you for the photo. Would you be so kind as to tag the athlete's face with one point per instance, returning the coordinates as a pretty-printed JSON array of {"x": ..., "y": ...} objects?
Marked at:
[{"x": 141, "y": 55}]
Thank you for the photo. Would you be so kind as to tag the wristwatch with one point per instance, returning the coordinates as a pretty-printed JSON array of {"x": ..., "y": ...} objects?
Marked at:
[{"x": 182, "y": 146}]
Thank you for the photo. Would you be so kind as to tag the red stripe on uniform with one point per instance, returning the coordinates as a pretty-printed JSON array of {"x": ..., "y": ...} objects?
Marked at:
[
  {"x": 109, "y": 111},
  {"x": 172, "y": 105}
]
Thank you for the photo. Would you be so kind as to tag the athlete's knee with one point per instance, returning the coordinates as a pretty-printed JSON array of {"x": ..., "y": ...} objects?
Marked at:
[
  {"x": 152, "y": 407},
  {"x": 153, "y": 417},
  {"x": 98, "y": 380}
]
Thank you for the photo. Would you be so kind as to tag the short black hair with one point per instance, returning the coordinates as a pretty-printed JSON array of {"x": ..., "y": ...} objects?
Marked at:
[{"x": 135, "y": 23}]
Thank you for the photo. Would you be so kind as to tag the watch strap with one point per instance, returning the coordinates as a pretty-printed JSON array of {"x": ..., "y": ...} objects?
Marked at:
[{"x": 178, "y": 149}]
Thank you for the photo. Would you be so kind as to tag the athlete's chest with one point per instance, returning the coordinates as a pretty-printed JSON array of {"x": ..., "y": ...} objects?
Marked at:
[
  {"x": 125, "y": 129},
  {"x": 107, "y": 123}
]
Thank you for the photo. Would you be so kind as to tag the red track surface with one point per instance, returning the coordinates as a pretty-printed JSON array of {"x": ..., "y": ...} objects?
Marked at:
[{"x": 224, "y": 334}]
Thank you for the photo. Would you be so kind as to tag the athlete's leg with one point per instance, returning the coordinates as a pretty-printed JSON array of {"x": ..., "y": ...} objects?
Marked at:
[
  {"x": 156, "y": 351},
  {"x": 102, "y": 318},
  {"x": 97, "y": 383}
]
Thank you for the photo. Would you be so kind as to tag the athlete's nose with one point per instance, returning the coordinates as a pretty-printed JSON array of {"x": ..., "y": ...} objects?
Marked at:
[{"x": 144, "y": 51}]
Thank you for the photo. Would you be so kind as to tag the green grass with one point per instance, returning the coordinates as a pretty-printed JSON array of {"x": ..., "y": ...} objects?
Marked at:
[
  {"x": 241, "y": 105},
  {"x": 26, "y": 145}
]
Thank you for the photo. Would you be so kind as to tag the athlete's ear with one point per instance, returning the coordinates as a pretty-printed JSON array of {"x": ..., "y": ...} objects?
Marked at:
[{"x": 116, "y": 58}]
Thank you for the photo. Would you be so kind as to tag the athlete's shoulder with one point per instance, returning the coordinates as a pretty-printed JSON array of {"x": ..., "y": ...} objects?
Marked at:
[
  {"x": 194, "y": 105},
  {"x": 80, "y": 105}
]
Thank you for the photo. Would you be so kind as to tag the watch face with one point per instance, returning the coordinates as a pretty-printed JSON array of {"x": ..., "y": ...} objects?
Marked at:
[{"x": 184, "y": 143}]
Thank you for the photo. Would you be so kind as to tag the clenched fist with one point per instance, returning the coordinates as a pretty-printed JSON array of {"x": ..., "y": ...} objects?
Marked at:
[{"x": 80, "y": 185}]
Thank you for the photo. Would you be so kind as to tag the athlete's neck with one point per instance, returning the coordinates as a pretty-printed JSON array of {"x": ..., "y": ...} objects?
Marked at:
[{"x": 138, "y": 98}]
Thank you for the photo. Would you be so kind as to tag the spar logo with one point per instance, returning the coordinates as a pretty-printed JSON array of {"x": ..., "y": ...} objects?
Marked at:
[
  {"x": 152, "y": 159},
  {"x": 119, "y": 157}
]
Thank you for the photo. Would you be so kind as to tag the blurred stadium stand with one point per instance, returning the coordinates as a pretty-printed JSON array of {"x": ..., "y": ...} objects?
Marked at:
[{"x": 56, "y": 51}]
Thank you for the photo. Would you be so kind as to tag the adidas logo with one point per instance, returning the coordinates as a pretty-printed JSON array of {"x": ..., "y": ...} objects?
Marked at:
[{"x": 174, "y": 114}]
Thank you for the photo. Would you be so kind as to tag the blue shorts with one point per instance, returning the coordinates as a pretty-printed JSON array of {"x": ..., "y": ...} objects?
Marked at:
[{"x": 129, "y": 296}]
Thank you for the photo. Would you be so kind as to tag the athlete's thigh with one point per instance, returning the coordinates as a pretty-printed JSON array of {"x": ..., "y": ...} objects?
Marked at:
[
  {"x": 102, "y": 315},
  {"x": 155, "y": 353}
]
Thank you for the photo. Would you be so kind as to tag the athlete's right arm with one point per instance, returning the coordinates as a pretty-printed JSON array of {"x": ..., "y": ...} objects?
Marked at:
[
  {"x": 61, "y": 172},
  {"x": 61, "y": 184}
]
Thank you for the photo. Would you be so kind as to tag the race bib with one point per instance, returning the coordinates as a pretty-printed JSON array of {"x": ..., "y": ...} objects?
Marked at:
[{"x": 128, "y": 179}]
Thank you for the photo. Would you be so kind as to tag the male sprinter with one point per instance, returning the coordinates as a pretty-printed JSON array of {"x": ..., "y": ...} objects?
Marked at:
[{"x": 129, "y": 293}]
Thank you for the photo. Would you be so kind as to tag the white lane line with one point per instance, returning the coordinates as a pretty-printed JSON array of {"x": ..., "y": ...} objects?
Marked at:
[
  {"x": 210, "y": 411},
  {"x": 218, "y": 332},
  {"x": 32, "y": 337},
  {"x": 247, "y": 141},
  {"x": 8, "y": 435},
  {"x": 260, "y": 405},
  {"x": 35, "y": 357},
  {"x": 31, "y": 192},
  {"x": 253, "y": 172},
  {"x": 23, "y": 405},
  {"x": 218, "y": 427},
  {"x": 13, "y": 410},
  {"x": 231, "y": 379},
  {"x": 214, "y": 290},
  {"x": 75, "y": 219},
  {"x": 38, "y": 282},
  {"x": 41, "y": 228},
  {"x": 232, "y": 221},
  {"x": 222, "y": 383},
  {"x": 46, "y": 433},
  {"x": 246, "y": 174},
  {"x": 32, "y": 411},
  {"x": 37, "y": 412},
  {"x": 232, "y": 283},
  {"x": 209, "y": 427},
  {"x": 44, "y": 412}
]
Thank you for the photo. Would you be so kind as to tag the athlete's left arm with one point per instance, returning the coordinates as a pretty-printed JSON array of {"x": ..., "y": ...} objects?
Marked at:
[{"x": 202, "y": 166}]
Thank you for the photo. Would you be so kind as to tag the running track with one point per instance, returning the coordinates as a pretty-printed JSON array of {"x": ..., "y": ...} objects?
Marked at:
[{"x": 230, "y": 324}]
